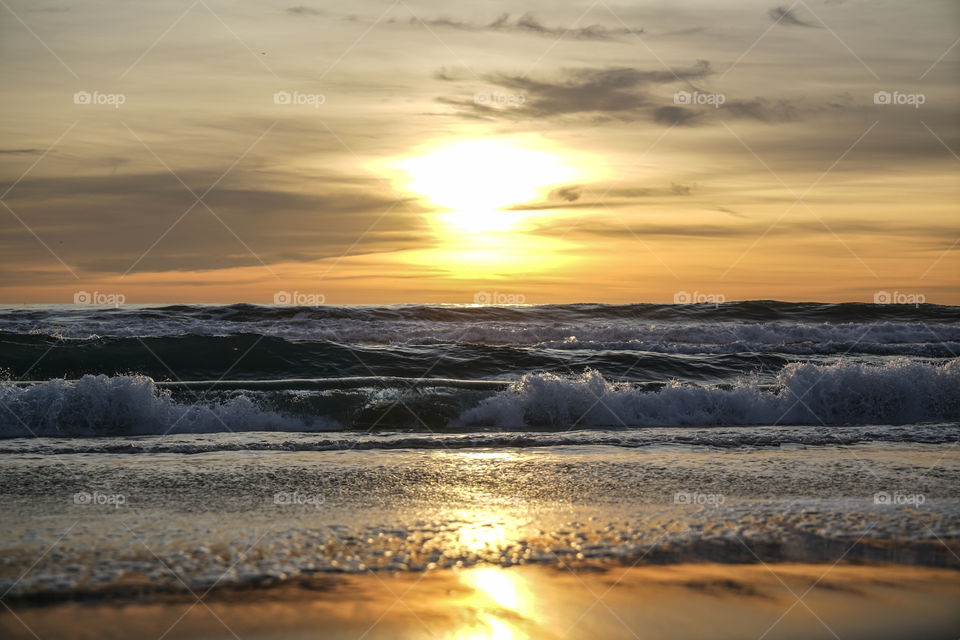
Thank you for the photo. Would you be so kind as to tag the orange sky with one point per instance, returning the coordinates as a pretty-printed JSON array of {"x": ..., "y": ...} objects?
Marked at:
[{"x": 422, "y": 152}]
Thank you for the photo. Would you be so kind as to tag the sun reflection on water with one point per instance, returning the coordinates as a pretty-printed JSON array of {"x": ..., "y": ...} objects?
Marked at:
[{"x": 489, "y": 536}]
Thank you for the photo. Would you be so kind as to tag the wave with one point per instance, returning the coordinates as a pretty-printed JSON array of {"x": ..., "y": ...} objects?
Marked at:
[
  {"x": 897, "y": 392},
  {"x": 696, "y": 354},
  {"x": 917, "y": 338},
  {"x": 750, "y": 310},
  {"x": 130, "y": 405},
  {"x": 757, "y": 322},
  {"x": 844, "y": 393}
]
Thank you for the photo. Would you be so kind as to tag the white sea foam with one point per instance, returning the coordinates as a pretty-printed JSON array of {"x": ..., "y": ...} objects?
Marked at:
[
  {"x": 844, "y": 393},
  {"x": 896, "y": 392},
  {"x": 129, "y": 405}
]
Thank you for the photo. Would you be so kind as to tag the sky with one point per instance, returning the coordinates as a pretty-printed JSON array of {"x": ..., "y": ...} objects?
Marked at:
[{"x": 540, "y": 152}]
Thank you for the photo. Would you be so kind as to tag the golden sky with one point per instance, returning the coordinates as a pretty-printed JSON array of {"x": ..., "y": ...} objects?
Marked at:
[{"x": 404, "y": 151}]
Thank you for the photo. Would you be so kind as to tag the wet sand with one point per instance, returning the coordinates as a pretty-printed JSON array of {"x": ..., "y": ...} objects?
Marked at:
[{"x": 687, "y": 601}]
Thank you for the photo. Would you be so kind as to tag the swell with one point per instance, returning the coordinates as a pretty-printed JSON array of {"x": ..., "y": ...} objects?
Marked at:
[
  {"x": 698, "y": 354},
  {"x": 556, "y": 332},
  {"x": 752, "y": 311},
  {"x": 250, "y": 356}
]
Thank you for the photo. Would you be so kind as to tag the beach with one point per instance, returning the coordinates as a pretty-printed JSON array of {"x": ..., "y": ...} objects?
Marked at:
[
  {"x": 674, "y": 601},
  {"x": 483, "y": 542},
  {"x": 569, "y": 320},
  {"x": 661, "y": 500}
]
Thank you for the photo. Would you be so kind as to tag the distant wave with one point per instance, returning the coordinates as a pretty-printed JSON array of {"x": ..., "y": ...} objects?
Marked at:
[
  {"x": 896, "y": 392},
  {"x": 753, "y": 311},
  {"x": 756, "y": 322},
  {"x": 641, "y": 352}
]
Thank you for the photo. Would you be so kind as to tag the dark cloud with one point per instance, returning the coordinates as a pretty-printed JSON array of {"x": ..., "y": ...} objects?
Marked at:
[
  {"x": 527, "y": 23},
  {"x": 763, "y": 110},
  {"x": 570, "y": 193},
  {"x": 785, "y": 16},
  {"x": 301, "y": 10},
  {"x": 648, "y": 230},
  {"x": 621, "y": 93},
  {"x": 448, "y": 74},
  {"x": 580, "y": 197},
  {"x": 673, "y": 115},
  {"x": 15, "y": 152},
  {"x": 626, "y": 94}
]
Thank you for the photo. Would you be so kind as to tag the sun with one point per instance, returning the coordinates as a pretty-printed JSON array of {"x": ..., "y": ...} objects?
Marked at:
[{"x": 476, "y": 181}]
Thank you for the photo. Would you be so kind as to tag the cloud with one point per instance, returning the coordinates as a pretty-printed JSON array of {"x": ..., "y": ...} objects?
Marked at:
[
  {"x": 527, "y": 23},
  {"x": 104, "y": 223},
  {"x": 814, "y": 228},
  {"x": 580, "y": 197},
  {"x": 301, "y": 10},
  {"x": 647, "y": 230},
  {"x": 14, "y": 152},
  {"x": 671, "y": 115},
  {"x": 570, "y": 193},
  {"x": 763, "y": 110},
  {"x": 620, "y": 93},
  {"x": 623, "y": 94},
  {"x": 449, "y": 74},
  {"x": 786, "y": 17}
]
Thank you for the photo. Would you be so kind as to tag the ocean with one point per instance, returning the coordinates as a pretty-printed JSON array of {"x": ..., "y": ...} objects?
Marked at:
[{"x": 195, "y": 446}]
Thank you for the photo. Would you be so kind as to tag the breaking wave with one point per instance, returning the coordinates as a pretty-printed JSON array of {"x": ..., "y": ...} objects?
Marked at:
[{"x": 844, "y": 393}]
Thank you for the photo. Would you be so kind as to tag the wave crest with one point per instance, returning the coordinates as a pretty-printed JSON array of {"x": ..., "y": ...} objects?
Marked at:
[
  {"x": 128, "y": 405},
  {"x": 896, "y": 392},
  {"x": 845, "y": 393}
]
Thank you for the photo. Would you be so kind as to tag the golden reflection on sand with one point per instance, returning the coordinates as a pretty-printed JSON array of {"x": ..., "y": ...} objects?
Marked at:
[
  {"x": 509, "y": 593},
  {"x": 689, "y": 602}
]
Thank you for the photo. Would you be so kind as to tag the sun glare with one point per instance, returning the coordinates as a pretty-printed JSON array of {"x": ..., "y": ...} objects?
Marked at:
[{"x": 475, "y": 180}]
